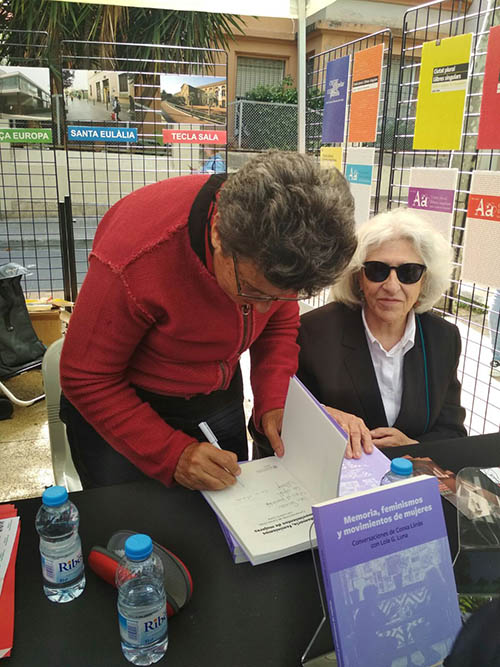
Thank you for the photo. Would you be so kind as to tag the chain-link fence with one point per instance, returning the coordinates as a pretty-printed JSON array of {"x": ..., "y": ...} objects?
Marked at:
[{"x": 259, "y": 126}]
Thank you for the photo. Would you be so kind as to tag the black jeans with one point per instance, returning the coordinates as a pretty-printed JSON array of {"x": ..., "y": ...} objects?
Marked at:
[{"x": 98, "y": 464}]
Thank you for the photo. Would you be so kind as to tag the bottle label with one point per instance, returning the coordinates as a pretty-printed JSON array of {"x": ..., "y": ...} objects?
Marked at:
[
  {"x": 144, "y": 631},
  {"x": 59, "y": 571}
]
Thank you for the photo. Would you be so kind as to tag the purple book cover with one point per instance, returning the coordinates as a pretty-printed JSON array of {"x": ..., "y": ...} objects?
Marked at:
[
  {"x": 388, "y": 575},
  {"x": 337, "y": 73}
]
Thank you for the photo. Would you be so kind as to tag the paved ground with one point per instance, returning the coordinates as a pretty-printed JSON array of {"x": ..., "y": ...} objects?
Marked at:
[{"x": 88, "y": 110}]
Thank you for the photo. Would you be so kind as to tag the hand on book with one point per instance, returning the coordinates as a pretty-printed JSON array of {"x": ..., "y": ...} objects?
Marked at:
[
  {"x": 272, "y": 422},
  {"x": 201, "y": 466},
  {"x": 388, "y": 436},
  {"x": 359, "y": 436}
]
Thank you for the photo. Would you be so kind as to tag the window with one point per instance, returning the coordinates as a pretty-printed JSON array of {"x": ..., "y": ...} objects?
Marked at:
[
  {"x": 123, "y": 83},
  {"x": 252, "y": 72}
]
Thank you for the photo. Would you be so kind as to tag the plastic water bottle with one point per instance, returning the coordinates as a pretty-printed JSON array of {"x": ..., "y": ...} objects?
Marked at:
[
  {"x": 142, "y": 603},
  {"x": 60, "y": 547},
  {"x": 400, "y": 469}
]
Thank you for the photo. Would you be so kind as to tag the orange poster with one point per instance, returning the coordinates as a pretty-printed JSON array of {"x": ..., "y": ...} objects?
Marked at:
[{"x": 365, "y": 94}]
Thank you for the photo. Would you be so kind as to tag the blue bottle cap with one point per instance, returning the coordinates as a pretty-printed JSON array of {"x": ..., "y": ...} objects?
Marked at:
[
  {"x": 54, "y": 496},
  {"x": 138, "y": 547},
  {"x": 402, "y": 467}
]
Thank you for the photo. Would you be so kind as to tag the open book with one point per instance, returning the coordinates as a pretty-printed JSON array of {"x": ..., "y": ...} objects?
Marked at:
[{"x": 269, "y": 510}]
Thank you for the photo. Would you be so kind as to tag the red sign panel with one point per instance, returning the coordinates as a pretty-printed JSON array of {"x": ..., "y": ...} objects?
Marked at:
[
  {"x": 484, "y": 207},
  {"x": 194, "y": 136},
  {"x": 489, "y": 123}
]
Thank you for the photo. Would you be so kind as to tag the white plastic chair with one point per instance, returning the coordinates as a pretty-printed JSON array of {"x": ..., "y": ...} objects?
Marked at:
[{"x": 64, "y": 470}]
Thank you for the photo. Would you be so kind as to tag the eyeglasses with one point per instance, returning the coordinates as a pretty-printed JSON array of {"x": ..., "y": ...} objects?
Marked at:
[
  {"x": 259, "y": 296},
  {"x": 408, "y": 274}
]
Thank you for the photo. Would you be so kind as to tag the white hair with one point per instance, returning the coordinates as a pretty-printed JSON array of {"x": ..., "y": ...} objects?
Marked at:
[{"x": 399, "y": 223}]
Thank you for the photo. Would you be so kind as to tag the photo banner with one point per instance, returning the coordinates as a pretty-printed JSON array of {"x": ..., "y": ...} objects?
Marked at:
[
  {"x": 431, "y": 192},
  {"x": 359, "y": 174},
  {"x": 442, "y": 87},
  {"x": 365, "y": 94},
  {"x": 489, "y": 119},
  {"x": 337, "y": 74},
  {"x": 482, "y": 231}
]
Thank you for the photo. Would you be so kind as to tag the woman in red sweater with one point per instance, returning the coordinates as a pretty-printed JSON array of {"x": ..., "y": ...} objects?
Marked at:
[{"x": 185, "y": 275}]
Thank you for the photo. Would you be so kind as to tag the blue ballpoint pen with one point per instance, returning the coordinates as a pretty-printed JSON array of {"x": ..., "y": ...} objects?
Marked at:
[{"x": 210, "y": 436}]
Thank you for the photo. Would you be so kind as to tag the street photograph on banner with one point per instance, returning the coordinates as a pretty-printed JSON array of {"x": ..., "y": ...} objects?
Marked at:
[
  {"x": 193, "y": 99},
  {"x": 25, "y": 94}
]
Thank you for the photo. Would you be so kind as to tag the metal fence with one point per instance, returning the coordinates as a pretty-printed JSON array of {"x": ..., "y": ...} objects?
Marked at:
[
  {"x": 259, "y": 126},
  {"x": 316, "y": 81},
  {"x": 470, "y": 306},
  {"x": 53, "y": 195}
]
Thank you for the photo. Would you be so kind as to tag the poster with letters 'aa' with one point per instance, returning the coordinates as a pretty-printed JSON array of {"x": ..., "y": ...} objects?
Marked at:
[
  {"x": 444, "y": 72},
  {"x": 431, "y": 192},
  {"x": 359, "y": 173},
  {"x": 482, "y": 231}
]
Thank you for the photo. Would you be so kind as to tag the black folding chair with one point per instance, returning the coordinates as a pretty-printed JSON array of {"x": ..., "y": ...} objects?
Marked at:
[{"x": 20, "y": 348}]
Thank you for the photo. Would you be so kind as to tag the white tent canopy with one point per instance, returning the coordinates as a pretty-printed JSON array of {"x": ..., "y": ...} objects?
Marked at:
[{"x": 295, "y": 9}]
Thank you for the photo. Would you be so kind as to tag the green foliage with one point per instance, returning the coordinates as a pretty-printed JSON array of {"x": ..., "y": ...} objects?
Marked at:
[
  {"x": 107, "y": 24},
  {"x": 470, "y": 603},
  {"x": 285, "y": 93}
]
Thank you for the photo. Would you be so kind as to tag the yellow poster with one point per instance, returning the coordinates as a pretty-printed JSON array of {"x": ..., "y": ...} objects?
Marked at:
[
  {"x": 444, "y": 72},
  {"x": 330, "y": 156}
]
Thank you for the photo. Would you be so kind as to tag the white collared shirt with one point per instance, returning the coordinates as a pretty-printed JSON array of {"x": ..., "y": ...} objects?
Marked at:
[{"x": 388, "y": 366}]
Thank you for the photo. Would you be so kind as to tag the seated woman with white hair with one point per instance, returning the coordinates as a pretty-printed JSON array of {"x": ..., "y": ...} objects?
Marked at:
[{"x": 386, "y": 365}]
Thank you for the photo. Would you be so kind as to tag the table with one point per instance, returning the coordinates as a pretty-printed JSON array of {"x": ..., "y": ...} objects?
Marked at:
[{"x": 239, "y": 615}]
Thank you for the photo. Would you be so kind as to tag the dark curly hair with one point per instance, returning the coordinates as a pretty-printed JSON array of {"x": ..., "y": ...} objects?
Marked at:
[{"x": 294, "y": 220}]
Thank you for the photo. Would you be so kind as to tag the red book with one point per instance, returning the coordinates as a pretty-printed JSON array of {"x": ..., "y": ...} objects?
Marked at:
[{"x": 7, "y": 591}]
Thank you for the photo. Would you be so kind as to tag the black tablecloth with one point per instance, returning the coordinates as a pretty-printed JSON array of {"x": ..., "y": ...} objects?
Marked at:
[{"x": 239, "y": 615}]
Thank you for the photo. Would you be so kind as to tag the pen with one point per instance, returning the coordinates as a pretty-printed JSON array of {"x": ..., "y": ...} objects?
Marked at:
[{"x": 210, "y": 436}]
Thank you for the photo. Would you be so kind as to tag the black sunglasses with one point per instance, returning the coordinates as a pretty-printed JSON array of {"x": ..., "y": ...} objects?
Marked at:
[{"x": 377, "y": 272}]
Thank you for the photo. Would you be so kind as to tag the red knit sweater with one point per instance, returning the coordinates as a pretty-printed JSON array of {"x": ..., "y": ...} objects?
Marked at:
[{"x": 151, "y": 314}]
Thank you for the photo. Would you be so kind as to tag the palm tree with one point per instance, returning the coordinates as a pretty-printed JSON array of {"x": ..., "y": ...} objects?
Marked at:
[{"x": 124, "y": 33}]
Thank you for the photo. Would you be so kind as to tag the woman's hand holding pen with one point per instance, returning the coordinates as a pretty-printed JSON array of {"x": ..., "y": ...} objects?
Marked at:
[{"x": 201, "y": 466}]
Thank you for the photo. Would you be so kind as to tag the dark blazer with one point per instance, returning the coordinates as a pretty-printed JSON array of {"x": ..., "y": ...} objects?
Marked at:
[{"x": 336, "y": 366}]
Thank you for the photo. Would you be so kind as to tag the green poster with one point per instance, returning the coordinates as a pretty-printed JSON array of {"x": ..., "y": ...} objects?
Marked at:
[{"x": 28, "y": 135}]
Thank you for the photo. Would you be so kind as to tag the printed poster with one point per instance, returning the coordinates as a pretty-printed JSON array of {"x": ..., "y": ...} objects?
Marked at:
[
  {"x": 365, "y": 94},
  {"x": 489, "y": 119},
  {"x": 337, "y": 74},
  {"x": 359, "y": 173},
  {"x": 482, "y": 231},
  {"x": 330, "y": 156},
  {"x": 444, "y": 72},
  {"x": 432, "y": 193}
]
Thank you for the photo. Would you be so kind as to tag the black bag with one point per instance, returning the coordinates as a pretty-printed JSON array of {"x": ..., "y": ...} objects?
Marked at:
[{"x": 20, "y": 347}]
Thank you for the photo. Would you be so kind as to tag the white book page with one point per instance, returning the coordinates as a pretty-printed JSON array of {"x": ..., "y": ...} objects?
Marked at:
[
  {"x": 268, "y": 511},
  {"x": 314, "y": 443},
  {"x": 8, "y": 531}
]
